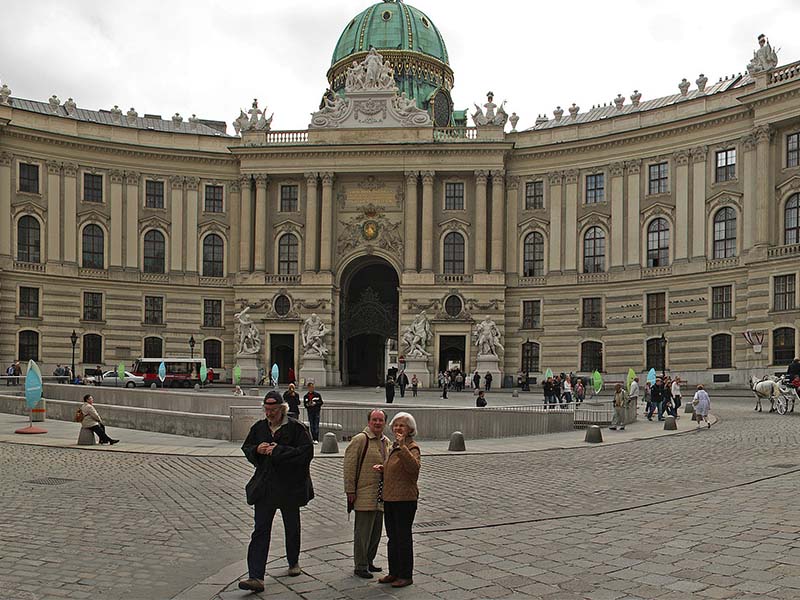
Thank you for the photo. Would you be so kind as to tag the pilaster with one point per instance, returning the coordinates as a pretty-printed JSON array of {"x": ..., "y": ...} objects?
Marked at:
[
  {"x": 234, "y": 215},
  {"x": 427, "y": 221},
  {"x": 699, "y": 201},
  {"x": 480, "y": 221},
  {"x": 617, "y": 172},
  {"x": 555, "y": 181},
  {"x": 53, "y": 211},
  {"x": 634, "y": 202},
  {"x": 246, "y": 225},
  {"x": 327, "y": 222},
  {"x": 410, "y": 224},
  {"x": 70, "y": 212},
  {"x": 681, "y": 228},
  {"x": 512, "y": 235},
  {"x": 312, "y": 223},
  {"x": 571, "y": 192},
  {"x": 115, "y": 204},
  {"x": 260, "y": 263},
  {"x": 132, "y": 219},
  {"x": 192, "y": 233},
  {"x": 763, "y": 135},
  {"x": 750, "y": 187},
  {"x": 5, "y": 204},
  {"x": 498, "y": 221},
  {"x": 176, "y": 225}
]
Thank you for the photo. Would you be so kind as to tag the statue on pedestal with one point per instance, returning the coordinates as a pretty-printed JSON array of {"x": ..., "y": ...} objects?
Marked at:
[
  {"x": 247, "y": 336},
  {"x": 417, "y": 335},
  {"x": 487, "y": 337},
  {"x": 764, "y": 59},
  {"x": 313, "y": 332},
  {"x": 490, "y": 118}
]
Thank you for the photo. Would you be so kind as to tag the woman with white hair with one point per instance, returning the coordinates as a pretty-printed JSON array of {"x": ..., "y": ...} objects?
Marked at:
[{"x": 400, "y": 493}]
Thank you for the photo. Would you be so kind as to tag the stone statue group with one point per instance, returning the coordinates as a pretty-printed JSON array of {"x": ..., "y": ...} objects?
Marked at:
[{"x": 485, "y": 336}]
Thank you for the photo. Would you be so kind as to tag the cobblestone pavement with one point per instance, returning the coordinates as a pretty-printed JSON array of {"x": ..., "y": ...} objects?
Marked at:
[{"x": 673, "y": 517}]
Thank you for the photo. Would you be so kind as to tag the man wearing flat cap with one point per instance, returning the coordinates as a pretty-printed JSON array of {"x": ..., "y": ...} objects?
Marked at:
[{"x": 280, "y": 447}]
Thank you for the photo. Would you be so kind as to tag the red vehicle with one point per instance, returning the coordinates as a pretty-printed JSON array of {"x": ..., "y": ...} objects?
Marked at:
[{"x": 180, "y": 372}]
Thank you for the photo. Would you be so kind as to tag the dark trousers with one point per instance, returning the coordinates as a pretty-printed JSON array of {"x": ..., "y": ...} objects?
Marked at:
[
  {"x": 100, "y": 430},
  {"x": 258, "y": 550},
  {"x": 389, "y": 395},
  {"x": 488, "y": 386},
  {"x": 414, "y": 391},
  {"x": 399, "y": 516},
  {"x": 313, "y": 424},
  {"x": 402, "y": 391}
]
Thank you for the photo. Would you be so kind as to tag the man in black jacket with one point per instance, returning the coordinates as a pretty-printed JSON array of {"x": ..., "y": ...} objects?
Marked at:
[
  {"x": 313, "y": 403},
  {"x": 280, "y": 447}
]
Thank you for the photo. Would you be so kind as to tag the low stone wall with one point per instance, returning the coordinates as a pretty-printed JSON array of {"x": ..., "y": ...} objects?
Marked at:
[{"x": 217, "y": 427}]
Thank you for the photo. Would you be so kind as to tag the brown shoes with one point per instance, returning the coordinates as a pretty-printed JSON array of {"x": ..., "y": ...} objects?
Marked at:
[
  {"x": 387, "y": 579},
  {"x": 398, "y": 583},
  {"x": 254, "y": 585}
]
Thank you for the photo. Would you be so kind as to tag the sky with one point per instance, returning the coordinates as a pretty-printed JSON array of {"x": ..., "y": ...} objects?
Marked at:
[{"x": 211, "y": 58}]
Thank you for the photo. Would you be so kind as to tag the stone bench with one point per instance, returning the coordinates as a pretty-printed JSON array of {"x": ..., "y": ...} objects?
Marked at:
[{"x": 86, "y": 437}]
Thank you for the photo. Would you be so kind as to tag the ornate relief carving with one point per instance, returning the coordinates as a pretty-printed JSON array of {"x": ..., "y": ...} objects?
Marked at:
[
  {"x": 512, "y": 183},
  {"x": 492, "y": 117},
  {"x": 154, "y": 222},
  {"x": 571, "y": 176},
  {"x": 427, "y": 177},
  {"x": 411, "y": 177},
  {"x": 657, "y": 209},
  {"x": 497, "y": 174},
  {"x": 288, "y": 226},
  {"x": 555, "y": 178},
  {"x": 70, "y": 169},
  {"x": 116, "y": 176},
  {"x": 311, "y": 178},
  {"x": 92, "y": 216},
  {"x": 617, "y": 169},
  {"x": 192, "y": 183},
  {"x": 53, "y": 168},
  {"x": 594, "y": 217},
  {"x": 132, "y": 177},
  {"x": 681, "y": 157},
  {"x": 455, "y": 225},
  {"x": 6, "y": 158},
  {"x": 327, "y": 178},
  {"x": 634, "y": 166},
  {"x": 763, "y": 133},
  {"x": 235, "y": 186},
  {"x": 176, "y": 182},
  {"x": 699, "y": 154},
  {"x": 261, "y": 180},
  {"x": 481, "y": 176},
  {"x": 725, "y": 198},
  {"x": 367, "y": 228}
]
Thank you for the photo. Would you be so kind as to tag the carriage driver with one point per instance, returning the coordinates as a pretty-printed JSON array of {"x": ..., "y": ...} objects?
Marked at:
[{"x": 793, "y": 373}]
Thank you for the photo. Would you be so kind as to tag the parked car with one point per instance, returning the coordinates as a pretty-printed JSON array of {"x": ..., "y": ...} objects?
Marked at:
[{"x": 131, "y": 380}]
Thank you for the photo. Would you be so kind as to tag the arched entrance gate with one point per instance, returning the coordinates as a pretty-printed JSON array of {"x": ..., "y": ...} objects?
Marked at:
[{"x": 368, "y": 318}]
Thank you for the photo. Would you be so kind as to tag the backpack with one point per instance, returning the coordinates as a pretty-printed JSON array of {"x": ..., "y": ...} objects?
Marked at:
[{"x": 79, "y": 415}]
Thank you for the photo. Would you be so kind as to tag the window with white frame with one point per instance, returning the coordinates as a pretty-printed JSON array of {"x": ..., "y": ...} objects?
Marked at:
[
  {"x": 595, "y": 188},
  {"x": 726, "y": 164},
  {"x": 725, "y": 233},
  {"x": 659, "y": 178}
]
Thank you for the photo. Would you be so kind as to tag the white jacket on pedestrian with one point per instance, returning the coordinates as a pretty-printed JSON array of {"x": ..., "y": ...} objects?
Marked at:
[{"x": 634, "y": 391}]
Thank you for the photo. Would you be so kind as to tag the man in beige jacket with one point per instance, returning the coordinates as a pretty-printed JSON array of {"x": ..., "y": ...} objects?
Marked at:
[{"x": 363, "y": 487}]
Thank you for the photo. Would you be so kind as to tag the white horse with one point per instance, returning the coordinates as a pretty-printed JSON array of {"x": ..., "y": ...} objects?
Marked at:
[{"x": 767, "y": 387}]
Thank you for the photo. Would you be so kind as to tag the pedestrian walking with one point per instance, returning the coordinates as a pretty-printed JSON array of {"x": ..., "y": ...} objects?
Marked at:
[
  {"x": 402, "y": 383},
  {"x": 656, "y": 398},
  {"x": 676, "y": 396},
  {"x": 389, "y": 389},
  {"x": 480, "y": 401},
  {"x": 633, "y": 393},
  {"x": 280, "y": 448},
  {"x": 292, "y": 399},
  {"x": 476, "y": 380},
  {"x": 667, "y": 405},
  {"x": 414, "y": 385},
  {"x": 364, "y": 488},
  {"x": 292, "y": 376},
  {"x": 10, "y": 375},
  {"x": 400, "y": 495},
  {"x": 580, "y": 392},
  {"x": 91, "y": 420},
  {"x": 702, "y": 406},
  {"x": 488, "y": 380},
  {"x": 444, "y": 390},
  {"x": 459, "y": 382},
  {"x": 548, "y": 388},
  {"x": 620, "y": 401},
  {"x": 567, "y": 394},
  {"x": 312, "y": 401}
]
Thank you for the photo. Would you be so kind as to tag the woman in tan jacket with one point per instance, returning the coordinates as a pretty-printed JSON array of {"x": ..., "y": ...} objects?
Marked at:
[
  {"x": 91, "y": 420},
  {"x": 400, "y": 493}
]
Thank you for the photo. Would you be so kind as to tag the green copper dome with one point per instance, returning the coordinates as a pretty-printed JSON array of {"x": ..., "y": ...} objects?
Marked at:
[{"x": 391, "y": 26}]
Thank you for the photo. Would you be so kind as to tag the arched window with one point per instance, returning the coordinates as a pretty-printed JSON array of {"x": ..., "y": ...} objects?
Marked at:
[
  {"x": 783, "y": 346},
  {"x": 792, "y": 218},
  {"x": 725, "y": 233},
  {"x": 212, "y": 351},
  {"x": 28, "y": 346},
  {"x": 533, "y": 255},
  {"x": 591, "y": 356},
  {"x": 454, "y": 253},
  {"x": 658, "y": 243},
  {"x": 28, "y": 240},
  {"x": 153, "y": 347},
  {"x": 530, "y": 357},
  {"x": 213, "y": 256},
  {"x": 154, "y": 251},
  {"x": 92, "y": 349},
  {"x": 656, "y": 356},
  {"x": 93, "y": 242},
  {"x": 594, "y": 251},
  {"x": 288, "y": 255},
  {"x": 721, "y": 357}
]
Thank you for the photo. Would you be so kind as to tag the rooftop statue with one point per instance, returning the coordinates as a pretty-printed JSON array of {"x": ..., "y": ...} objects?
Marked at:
[
  {"x": 765, "y": 58},
  {"x": 490, "y": 118},
  {"x": 257, "y": 121},
  {"x": 372, "y": 73}
]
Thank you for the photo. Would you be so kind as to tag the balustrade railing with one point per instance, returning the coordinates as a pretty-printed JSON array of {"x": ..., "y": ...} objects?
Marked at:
[
  {"x": 214, "y": 281},
  {"x": 787, "y": 250},
  {"x": 532, "y": 281},
  {"x": 282, "y": 278},
  {"x": 93, "y": 273},
  {"x": 592, "y": 277},
  {"x": 453, "y": 278},
  {"x": 29, "y": 266},
  {"x": 154, "y": 277},
  {"x": 652, "y": 272},
  {"x": 455, "y": 134},
  {"x": 722, "y": 263},
  {"x": 287, "y": 137},
  {"x": 790, "y": 71}
]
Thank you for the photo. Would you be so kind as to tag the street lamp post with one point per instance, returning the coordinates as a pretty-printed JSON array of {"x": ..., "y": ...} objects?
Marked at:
[
  {"x": 662, "y": 342},
  {"x": 191, "y": 346},
  {"x": 74, "y": 339}
]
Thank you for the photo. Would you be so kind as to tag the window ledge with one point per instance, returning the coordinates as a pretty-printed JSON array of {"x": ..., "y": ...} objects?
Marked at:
[
  {"x": 732, "y": 181},
  {"x": 787, "y": 311},
  {"x": 23, "y": 318},
  {"x": 591, "y": 327},
  {"x": 721, "y": 319},
  {"x": 88, "y": 322},
  {"x": 156, "y": 208},
  {"x": 143, "y": 324},
  {"x": 212, "y": 328},
  {"x": 534, "y": 329},
  {"x": 38, "y": 195},
  {"x": 658, "y": 195}
]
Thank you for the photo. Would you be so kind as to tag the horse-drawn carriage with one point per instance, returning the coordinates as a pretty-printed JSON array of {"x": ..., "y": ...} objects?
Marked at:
[{"x": 778, "y": 389}]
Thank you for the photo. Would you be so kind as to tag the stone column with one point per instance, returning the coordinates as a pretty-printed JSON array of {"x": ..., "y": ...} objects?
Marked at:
[
  {"x": 70, "y": 212},
  {"x": 192, "y": 231},
  {"x": 571, "y": 220},
  {"x": 750, "y": 187},
  {"x": 132, "y": 219},
  {"x": 763, "y": 134},
  {"x": 479, "y": 229},
  {"x": 117, "y": 219},
  {"x": 617, "y": 214},
  {"x": 327, "y": 222},
  {"x": 235, "y": 215},
  {"x": 246, "y": 225},
  {"x": 427, "y": 221},
  {"x": 512, "y": 235},
  {"x": 53, "y": 211},
  {"x": 176, "y": 227},
  {"x": 498, "y": 224},
  {"x": 5, "y": 204},
  {"x": 410, "y": 248},
  {"x": 634, "y": 226},
  {"x": 259, "y": 264},
  {"x": 312, "y": 222},
  {"x": 681, "y": 228},
  {"x": 699, "y": 201},
  {"x": 554, "y": 193}
]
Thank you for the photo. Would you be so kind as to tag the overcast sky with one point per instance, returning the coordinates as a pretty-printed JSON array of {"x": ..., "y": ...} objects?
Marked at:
[{"x": 212, "y": 57}]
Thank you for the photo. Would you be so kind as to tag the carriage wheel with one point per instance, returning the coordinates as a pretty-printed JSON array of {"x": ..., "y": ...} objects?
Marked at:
[{"x": 780, "y": 405}]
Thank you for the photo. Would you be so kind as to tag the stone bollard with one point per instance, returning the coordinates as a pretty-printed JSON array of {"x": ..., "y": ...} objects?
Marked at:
[
  {"x": 329, "y": 444},
  {"x": 254, "y": 392},
  {"x": 670, "y": 424},
  {"x": 593, "y": 434},
  {"x": 86, "y": 437},
  {"x": 515, "y": 393},
  {"x": 688, "y": 408},
  {"x": 153, "y": 386},
  {"x": 457, "y": 442}
]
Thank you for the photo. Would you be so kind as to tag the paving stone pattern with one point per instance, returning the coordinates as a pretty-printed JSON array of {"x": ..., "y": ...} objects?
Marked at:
[{"x": 148, "y": 526}]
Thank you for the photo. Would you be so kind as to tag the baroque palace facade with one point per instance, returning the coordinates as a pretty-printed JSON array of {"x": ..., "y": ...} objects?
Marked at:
[{"x": 644, "y": 233}]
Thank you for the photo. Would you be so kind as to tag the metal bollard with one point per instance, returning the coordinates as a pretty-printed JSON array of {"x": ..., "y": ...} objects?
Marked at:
[
  {"x": 670, "y": 424},
  {"x": 329, "y": 444},
  {"x": 593, "y": 435},
  {"x": 38, "y": 412},
  {"x": 457, "y": 442}
]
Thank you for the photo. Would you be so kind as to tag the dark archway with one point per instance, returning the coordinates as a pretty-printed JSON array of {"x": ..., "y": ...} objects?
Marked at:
[
  {"x": 452, "y": 351},
  {"x": 281, "y": 353},
  {"x": 368, "y": 317}
]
